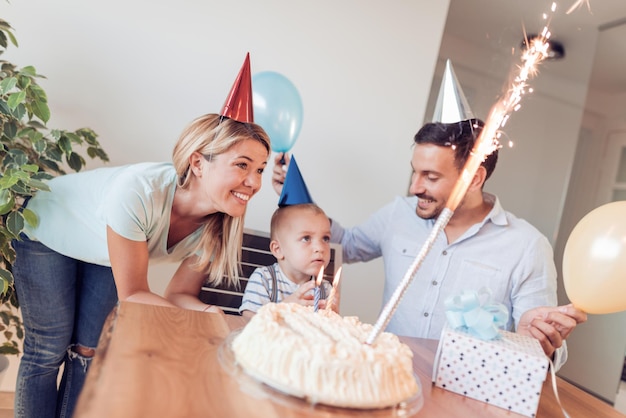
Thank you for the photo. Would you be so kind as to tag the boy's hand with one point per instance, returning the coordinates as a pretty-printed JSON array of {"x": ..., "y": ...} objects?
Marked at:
[{"x": 304, "y": 295}]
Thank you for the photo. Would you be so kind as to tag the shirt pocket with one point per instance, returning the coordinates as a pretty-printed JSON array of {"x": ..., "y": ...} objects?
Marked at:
[
  {"x": 403, "y": 247},
  {"x": 402, "y": 253},
  {"x": 475, "y": 274}
]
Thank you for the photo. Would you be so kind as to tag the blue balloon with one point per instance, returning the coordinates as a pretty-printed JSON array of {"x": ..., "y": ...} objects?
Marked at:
[{"x": 277, "y": 108}]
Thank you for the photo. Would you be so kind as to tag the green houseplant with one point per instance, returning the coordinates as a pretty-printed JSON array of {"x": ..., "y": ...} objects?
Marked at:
[{"x": 30, "y": 153}]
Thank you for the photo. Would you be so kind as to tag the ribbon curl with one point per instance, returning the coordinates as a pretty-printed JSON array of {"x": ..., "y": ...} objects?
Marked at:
[{"x": 473, "y": 312}]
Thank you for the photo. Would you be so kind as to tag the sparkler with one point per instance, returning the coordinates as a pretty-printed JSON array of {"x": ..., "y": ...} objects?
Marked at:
[
  {"x": 486, "y": 143},
  {"x": 578, "y": 4}
]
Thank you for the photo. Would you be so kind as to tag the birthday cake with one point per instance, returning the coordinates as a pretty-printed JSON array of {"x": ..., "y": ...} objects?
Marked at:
[{"x": 323, "y": 357}]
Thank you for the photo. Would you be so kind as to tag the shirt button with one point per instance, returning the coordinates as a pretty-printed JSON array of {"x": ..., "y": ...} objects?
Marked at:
[
  {"x": 434, "y": 282},
  {"x": 426, "y": 314},
  {"x": 444, "y": 252},
  {"x": 404, "y": 251}
]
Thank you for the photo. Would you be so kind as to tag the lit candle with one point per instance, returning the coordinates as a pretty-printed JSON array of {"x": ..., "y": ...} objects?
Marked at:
[
  {"x": 331, "y": 297},
  {"x": 318, "y": 283}
]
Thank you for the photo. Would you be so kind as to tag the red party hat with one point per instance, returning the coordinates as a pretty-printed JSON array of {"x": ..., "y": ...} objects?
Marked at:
[{"x": 238, "y": 105}]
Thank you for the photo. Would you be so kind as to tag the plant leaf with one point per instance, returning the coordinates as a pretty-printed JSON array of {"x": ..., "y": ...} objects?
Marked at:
[
  {"x": 75, "y": 161},
  {"x": 29, "y": 70},
  {"x": 41, "y": 110},
  {"x": 31, "y": 217},
  {"x": 8, "y": 180},
  {"x": 15, "y": 99},
  {"x": 31, "y": 168},
  {"x": 73, "y": 137},
  {"x": 37, "y": 184},
  {"x": 10, "y": 130},
  {"x": 7, "y": 201},
  {"x": 8, "y": 349},
  {"x": 97, "y": 152},
  {"x": 6, "y": 278},
  {"x": 65, "y": 144},
  {"x": 19, "y": 111},
  {"x": 4, "y": 108},
  {"x": 15, "y": 223},
  {"x": 39, "y": 105},
  {"x": 39, "y": 146},
  {"x": 7, "y": 85}
]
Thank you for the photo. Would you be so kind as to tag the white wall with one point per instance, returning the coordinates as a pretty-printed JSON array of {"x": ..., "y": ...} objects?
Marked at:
[{"x": 138, "y": 71}]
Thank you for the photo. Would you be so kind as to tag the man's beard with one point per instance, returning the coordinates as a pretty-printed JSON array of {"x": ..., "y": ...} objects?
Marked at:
[{"x": 435, "y": 210}]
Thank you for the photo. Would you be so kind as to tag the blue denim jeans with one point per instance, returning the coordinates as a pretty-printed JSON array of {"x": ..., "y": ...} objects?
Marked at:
[{"x": 64, "y": 304}]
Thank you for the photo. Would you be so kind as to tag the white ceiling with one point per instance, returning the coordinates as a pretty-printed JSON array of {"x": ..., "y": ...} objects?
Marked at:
[{"x": 499, "y": 25}]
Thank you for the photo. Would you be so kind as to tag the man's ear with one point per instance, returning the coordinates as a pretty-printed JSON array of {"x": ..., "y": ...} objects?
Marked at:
[
  {"x": 479, "y": 178},
  {"x": 195, "y": 163},
  {"x": 276, "y": 250}
]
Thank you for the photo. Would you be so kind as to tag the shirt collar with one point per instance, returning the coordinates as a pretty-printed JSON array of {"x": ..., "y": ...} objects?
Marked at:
[{"x": 497, "y": 215}]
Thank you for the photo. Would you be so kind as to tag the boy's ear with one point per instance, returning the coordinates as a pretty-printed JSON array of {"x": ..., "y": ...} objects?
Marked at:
[{"x": 276, "y": 250}]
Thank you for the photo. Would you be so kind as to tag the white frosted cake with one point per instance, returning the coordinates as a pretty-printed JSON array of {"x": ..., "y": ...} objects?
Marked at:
[{"x": 323, "y": 357}]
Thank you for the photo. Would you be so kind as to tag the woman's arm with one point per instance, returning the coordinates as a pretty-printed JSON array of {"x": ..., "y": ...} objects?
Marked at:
[
  {"x": 129, "y": 261},
  {"x": 185, "y": 286}
]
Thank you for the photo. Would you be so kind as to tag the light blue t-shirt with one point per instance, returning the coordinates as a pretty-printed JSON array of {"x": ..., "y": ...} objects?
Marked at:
[{"x": 134, "y": 200}]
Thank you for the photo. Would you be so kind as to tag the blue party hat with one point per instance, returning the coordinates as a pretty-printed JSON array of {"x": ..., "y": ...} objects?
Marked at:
[{"x": 294, "y": 189}]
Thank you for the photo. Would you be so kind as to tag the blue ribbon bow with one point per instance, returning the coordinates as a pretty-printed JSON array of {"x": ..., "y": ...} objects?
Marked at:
[{"x": 473, "y": 312}]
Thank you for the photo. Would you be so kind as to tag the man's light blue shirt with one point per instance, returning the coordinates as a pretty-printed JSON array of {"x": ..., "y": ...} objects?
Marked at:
[{"x": 503, "y": 253}]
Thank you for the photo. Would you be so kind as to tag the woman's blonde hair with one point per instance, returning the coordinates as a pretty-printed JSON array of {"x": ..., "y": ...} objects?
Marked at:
[{"x": 220, "y": 244}]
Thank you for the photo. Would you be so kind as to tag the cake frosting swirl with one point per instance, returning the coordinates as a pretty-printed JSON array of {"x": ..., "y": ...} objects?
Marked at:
[{"x": 323, "y": 357}]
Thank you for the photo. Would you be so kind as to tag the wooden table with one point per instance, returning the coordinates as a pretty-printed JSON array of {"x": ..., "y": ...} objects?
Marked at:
[{"x": 154, "y": 361}]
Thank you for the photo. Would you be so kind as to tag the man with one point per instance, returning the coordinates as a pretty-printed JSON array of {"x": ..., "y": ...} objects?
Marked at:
[{"x": 482, "y": 246}]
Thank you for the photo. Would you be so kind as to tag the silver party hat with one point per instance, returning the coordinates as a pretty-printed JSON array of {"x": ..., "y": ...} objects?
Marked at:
[{"x": 451, "y": 104}]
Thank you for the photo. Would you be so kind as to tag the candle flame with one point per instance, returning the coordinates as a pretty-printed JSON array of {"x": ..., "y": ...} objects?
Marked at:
[
  {"x": 320, "y": 277},
  {"x": 337, "y": 277},
  {"x": 331, "y": 297}
]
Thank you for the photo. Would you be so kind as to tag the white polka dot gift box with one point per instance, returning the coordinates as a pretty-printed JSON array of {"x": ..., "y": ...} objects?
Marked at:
[{"x": 507, "y": 371}]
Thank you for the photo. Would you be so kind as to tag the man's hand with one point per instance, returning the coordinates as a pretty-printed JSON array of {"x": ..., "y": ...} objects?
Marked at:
[{"x": 550, "y": 325}]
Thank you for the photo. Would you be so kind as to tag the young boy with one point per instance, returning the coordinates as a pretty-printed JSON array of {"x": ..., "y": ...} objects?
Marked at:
[{"x": 300, "y": 241}]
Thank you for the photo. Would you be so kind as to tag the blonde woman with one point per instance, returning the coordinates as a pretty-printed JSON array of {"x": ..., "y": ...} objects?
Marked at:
[{"x": 99, "y": 229}]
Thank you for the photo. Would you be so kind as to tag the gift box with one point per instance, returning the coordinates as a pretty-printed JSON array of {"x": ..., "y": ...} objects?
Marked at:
[{"x": 507, "y": 371}]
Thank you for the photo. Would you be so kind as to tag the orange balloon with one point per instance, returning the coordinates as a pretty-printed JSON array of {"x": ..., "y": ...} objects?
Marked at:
[{"x": 594, "y": 261}]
